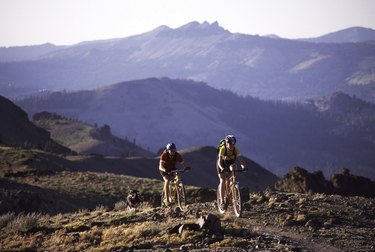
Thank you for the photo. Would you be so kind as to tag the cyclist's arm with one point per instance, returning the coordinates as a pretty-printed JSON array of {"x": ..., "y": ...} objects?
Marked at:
[
  {"x": 220, "y": 159},
  {"x": 184, "y": 166},
  {"x": 180, "y": 160},
  {"x": 162, "y": 166},
  {"x": 242, "y": 162}
]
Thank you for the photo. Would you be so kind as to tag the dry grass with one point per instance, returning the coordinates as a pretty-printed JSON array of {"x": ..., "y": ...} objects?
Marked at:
[
  {"x": 77, "y": 231},
  {"x": 108, "y": 226},
  {"x": 22, "y": 223}
]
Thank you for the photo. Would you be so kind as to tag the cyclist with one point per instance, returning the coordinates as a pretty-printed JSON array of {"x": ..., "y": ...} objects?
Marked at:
[
  {"x": 228, "y": 153},
  {"x": 168, "y": 160}
]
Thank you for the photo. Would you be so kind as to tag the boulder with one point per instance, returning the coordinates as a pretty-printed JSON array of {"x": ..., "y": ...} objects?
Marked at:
[
  {"x": 350, "y": 185},
  {"x": 300, "y": 180}
]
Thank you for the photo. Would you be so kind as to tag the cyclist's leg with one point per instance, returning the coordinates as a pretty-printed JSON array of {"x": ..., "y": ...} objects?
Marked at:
[
  {"x": 233, "y": 168},
  {"x": 166, "y": 179},
  {"x": 222, "y": 177},
  {"x": 222, "y": 185}
]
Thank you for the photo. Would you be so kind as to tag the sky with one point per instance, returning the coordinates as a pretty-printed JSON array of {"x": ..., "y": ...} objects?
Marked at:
[{"x": 67, "y": 22}]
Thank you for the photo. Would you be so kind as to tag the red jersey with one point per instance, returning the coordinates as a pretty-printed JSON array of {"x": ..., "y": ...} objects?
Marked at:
[{"x": 170, "y": 161}]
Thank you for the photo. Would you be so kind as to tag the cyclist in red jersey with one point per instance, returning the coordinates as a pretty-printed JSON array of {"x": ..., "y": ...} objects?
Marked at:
[{"x": 168, "y": 160}]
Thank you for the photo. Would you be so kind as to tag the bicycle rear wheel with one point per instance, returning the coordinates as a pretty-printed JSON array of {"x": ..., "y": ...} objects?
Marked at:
[
  {"x": 236, "y": 198},
  {"x": 181, "y": 196},
  {"x": 221, "y": 206}
]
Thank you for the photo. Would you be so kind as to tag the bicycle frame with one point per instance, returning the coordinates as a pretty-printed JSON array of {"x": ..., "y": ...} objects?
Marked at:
[
  {"x": 231, "y": 193},
  {"x": 176, "y": 190}
]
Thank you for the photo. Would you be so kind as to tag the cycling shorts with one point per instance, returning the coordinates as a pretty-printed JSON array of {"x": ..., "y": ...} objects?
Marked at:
[
  {"x": 166, "y": 174},
  {"x": 226, "y": 164}
]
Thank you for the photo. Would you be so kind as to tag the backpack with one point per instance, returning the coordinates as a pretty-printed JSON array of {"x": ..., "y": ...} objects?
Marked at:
[{"x": 221, "y": 144}]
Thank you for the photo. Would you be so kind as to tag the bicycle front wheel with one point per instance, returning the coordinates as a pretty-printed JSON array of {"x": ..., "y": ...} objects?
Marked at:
[
  {"x": 221, "y": 206},
  {"x": 181, "y": 195},
  {"x": 236, "y": 198}
]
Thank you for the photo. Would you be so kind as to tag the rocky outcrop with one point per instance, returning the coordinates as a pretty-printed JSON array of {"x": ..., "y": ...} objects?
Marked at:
[
  {"x": 299, "y": 180},
  {"x": 350, "y": 185}
]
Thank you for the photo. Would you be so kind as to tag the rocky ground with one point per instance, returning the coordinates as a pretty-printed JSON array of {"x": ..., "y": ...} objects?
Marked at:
[
  {"x": 276, "y": 221},
  {"x": 271, "y": 221},
  {"x": 315, "y": 222},
  {"x": 302, "y": 212}
]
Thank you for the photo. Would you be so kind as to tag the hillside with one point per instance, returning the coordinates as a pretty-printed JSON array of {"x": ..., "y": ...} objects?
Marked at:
[
  {"x": 16, "y": 130},
  {"x": 202, "y": 161},
  {"x": 356, "y": 117},
  {"x": 85, "y": 138},
  {"x": 246, "y": 64},
  {"x": 87, "y": 211},
  {"x": 277, "y": 135}
]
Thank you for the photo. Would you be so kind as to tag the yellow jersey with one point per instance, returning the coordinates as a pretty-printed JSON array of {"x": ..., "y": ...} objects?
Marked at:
[{"x": 228, "y": 154}]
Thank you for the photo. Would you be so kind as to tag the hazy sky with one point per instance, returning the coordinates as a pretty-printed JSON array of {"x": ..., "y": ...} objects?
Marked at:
[{"x": 64, "y": 22}]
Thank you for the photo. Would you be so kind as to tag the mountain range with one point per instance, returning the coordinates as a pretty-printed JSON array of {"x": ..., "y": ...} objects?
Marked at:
[
  {"x": 64, "y": 179},
  {"x": 262, "y": 67},
  {"x": 99, "y": 151},
  {"x": 326, "y": 134}
]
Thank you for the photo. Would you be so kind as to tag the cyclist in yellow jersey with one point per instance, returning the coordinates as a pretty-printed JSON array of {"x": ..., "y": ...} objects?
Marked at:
[{"x": 227, "y": 156}]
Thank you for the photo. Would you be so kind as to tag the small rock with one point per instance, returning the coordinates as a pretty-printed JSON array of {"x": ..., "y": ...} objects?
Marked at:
[{"x": 300, "y": 218}]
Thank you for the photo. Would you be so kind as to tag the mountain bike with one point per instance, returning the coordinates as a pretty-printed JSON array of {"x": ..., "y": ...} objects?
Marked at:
[
  {"x": 231, "y": 193},
  {"x": 176, "y": 189}
]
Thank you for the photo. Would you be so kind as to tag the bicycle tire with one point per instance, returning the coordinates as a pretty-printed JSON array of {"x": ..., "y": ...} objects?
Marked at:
[
  {"x": 236, "y": 200},
  {"x": 181, "y": 195},
  {"x": 221, "y": 207}
]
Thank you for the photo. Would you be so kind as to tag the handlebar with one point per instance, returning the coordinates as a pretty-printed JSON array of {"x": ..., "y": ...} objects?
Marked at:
[
  {"x": 238, "y": 170},
  {"x": 177, "y": 171}
]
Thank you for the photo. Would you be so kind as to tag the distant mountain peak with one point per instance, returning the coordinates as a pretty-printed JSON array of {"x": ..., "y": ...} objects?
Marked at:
[
  {"x": 273, "y": 36},
  {"x": 161, "y": 28},
  {"x": 202, "y": 28},
  {"x": 196, "y": 24},
  {"x": 338, "y": 102},
  {"x": 349, "y": 35}
]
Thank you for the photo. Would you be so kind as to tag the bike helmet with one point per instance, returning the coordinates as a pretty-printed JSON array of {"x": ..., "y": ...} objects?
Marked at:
[
  {"x": 230, "y": 139},
  {"x": 171, "y": 146}
]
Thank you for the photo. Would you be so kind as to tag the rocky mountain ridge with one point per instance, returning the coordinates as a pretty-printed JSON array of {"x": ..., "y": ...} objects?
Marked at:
[{"x": 246, "y": 64}]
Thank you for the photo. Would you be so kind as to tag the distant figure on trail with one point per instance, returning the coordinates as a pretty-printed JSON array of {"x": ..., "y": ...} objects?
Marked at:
[
  {"x": 228, "y": 153},
  {"x": 168, "y": 161},
  {"x": 133, "y": 200}
]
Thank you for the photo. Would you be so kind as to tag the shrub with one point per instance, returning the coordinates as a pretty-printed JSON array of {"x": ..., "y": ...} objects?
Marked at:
[
  {"x": 121, "y": 205},
  {"x": 101, "y": 208},
  {"x": 23, "y": 223},
  {"x": 5, "y": 219}
]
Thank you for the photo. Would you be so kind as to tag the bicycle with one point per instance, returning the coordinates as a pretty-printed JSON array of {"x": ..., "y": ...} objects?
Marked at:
[
  {"x": 176, "y": 189},
  {"x": 231, "y": 193}
]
